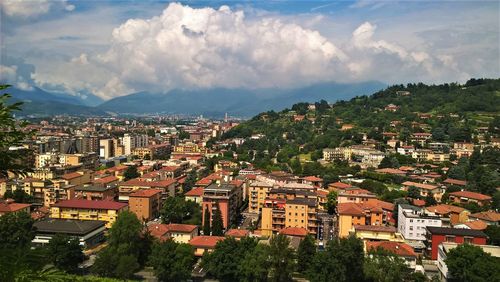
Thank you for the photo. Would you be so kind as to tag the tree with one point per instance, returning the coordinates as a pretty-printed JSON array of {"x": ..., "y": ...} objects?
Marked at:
[
  {"x": 131, "y": 173},
  {"x": 430, "y": 200},
  {"x": 281, "y": 258},
  {"x": 343, "y": 260},
  {"x": 457, "y": 172},
  {"x": 128, "y": 248},
  {"x": 382, "y": 266},
  {"x": 414, "y": 192},
  {"x": 147, "y": 157},
  {"x": 190, "y": 181},
  {"x": 16, "y": 230},
  {"x": 206, "y": 222},
  {"x": 389, "y": 162},
  {"x": 493, "y": 232},
  {"x": 217, "y": 223},
  {"x": 172, "y": 261},
  {"x": 255, "y": 265},
  {"x": 305, "y": 253},
  {"x": 11, "y": 161},
  {"x": 20, "y": 196},
  {"x": 470, "y": 263},
  {"x": 174, "y": 210},
  {"x": 65, "y": 252},
  {"x": 331, "y": 202}
]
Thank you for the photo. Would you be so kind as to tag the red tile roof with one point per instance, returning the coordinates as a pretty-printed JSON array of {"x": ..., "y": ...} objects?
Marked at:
[
  {"x": 390, "y": 171},
  {"x": 418, "y": 203},
  {"x": 444, "y": 209},
  {"x": 142, "y": 183},
  {"x": 198, "y": 191},
  {"x": 294, "y": 231},
  {"x": 158, "y": 230},
  {"x": 181, "y": 228},
  {"x": 477, "y": 225},
  {"x": 419, "y": 185},
  {"x": 455, "y": 182},
  {"x": 471, "y": 195},
  {"x": 170, "y": 168},
  {"x": 145, "y": 193},
  {"x": 205, "y": 241},
  {"x": 312, "y": 178},
  {"x": 399, "y": 249},
  {"x": 237, "y": 233},
  {"x": 12, "y": 207},
  {"x": 490, "y": 216},
  {"x": 88, "y": 204},
  {"x": 69, "y": 176},
  {"x": 357, "y": 209},
  {"x": 340, "y": 185},
  {"x": 106, "y": 179}
]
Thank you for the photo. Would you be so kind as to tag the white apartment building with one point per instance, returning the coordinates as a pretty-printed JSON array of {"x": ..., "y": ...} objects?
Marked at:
[
  {"x": 412, "y": 222},
  {"x": 130, "y": 142}
]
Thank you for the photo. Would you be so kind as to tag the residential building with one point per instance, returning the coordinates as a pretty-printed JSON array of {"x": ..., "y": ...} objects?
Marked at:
[
  {"x": 437, "y": 235},
  {"x": 412, "y": 222},
  {"x": 88, "y": 210},
  {"x": 454, "y": 214},
  {"x": 168, "y": 186},
  {"x": 195, "y": 195},
  {"x": 464, "y": 197},
  {"x": 258, "y": 192},
  {"x": 376, "y": 233},
  {"x": 145, "y": 203},
  {"x": 425, "y": 189},
  {"x": 226, "y": 197},
  {"x": 91, "y": 192},
  {"x": 9, "y": 206},
  {"x": 204, "y": 244},
  {"x": 180, "y": 233},
  {"x": 490, "y": 217},
  {"x": 399, "y": 249},
  {"x": 351, "y": 214},
  {"x": 106, "y": 148},
  {"x": 88, "y": 232}
]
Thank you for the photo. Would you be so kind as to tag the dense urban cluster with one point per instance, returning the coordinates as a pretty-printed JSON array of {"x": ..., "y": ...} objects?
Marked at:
[{"x": 382, "y": 188}]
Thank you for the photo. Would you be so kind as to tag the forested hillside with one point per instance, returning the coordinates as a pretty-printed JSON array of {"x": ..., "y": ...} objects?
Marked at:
[{"x": 291, "y": 138}]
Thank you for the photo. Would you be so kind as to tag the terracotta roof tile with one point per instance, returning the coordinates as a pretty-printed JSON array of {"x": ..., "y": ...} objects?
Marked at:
[
  {"x": 205, "y": 241},
  {"x": 471, "y": 195},
  {"x": 490, "y": 216},
  {"x": 195, "y": 192},
  {"x": 237, "y": 232},
  {"x": 294, "y": 231},
  {"x": 145, "y": 193},
  {"x": 399, "y": 249}
]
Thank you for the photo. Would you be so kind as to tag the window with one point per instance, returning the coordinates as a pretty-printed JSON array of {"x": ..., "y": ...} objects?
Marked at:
[
  {"x": 450, "y": 238},
  {"x": 411, "y": 227},
  {"x": 468, "y": 240}
]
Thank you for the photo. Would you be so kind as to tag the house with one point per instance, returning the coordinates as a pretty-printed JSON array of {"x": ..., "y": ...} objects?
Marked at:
[
  {"x": 168, "y": 187},
  {"x": 237, "y": 233},
  {"x": 145, "y": 203},
  {"x": 351, "y": 214},
  {"x": 464, "y": 197},
  {"x": 97, "y": 192},
  {"x": 412, "y": 222},
  {"x": 489, "y": 217},
  {"x": 400, "y": 249},
  {"x": 454, "y": 182},
  {"x": 88, "y": 232},
  {"x": 445, "y": 247},
  {"x": 194, "y": 195},
  {"x": 9, "y": 206},
  {"x": 258, "y": 192},
  {"x": 425, "y": 189},
  {"x": 454, "y": 214},
  {"x": 204, "y": 244},
  {"x": 180, "y": 233},
  {"x": 437, "y": 235},
  {"x": 336, "y": 186},
  {"x": 88, "y": 210},
  {"x": 107, "y": 181},
  {"x": 355, "y": 195},
  {"x": 475, "y": 225}
]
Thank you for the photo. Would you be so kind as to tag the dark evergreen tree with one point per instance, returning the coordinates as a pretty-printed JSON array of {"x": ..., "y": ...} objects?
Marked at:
[
  {"x": 217, "y": 223},
  {"x": 206, "y": 222},
  {"x": 305, "y": 253}
]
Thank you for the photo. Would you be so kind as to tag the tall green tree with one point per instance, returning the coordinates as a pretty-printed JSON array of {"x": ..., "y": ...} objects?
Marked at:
[
  {"x": 11, "y": 134},
  {"x": 131, "y": 173},
  {"x": 172, "y": 261},
  {"x": 217, "y": 223},
  {"x": 65, "y": 253},
  {"x": 305, "y": 253},
  {"x": 331, "y": 202},
  {"x": 206, "y": 222},
  {"x": 382, "y": 266},
  {"x": 470, "y": 263},
  {"x": 174, "y": 210},
  {"x": 16, "y": 230},
  {"x": 414, "y": 192},
  {"x": 282, "y": 259},
  {"x": 255, "y": 265}
]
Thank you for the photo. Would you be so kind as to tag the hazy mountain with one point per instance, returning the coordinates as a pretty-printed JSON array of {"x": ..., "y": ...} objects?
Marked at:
[
  {"x": 38, "y": 94},
  {"x": 240, "y": 102}
]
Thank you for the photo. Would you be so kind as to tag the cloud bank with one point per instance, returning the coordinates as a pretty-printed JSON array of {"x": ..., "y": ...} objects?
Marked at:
[{"x": 187, "y": 47}]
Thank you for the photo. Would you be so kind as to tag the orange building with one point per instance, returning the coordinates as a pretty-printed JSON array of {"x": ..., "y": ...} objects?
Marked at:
[
  {"x": 145, "y": 203},
  {"x": 227, "y": 197},
  {"x": 351, "y": 214}
]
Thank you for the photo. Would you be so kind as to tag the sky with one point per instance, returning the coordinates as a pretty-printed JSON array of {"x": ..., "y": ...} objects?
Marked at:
[{"x": 115, "y": 48}]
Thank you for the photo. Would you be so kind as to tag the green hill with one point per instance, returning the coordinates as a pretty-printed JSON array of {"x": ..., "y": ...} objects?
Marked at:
[{"x": 451, "y": 112}]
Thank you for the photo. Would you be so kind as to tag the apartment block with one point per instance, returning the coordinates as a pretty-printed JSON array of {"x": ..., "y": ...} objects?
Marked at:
[
  {"x": 413, "y": 221},
  {"x": 145, "y": 203},
  {"x": 88, "y": 210},
  {"x": 227, "y": 197}
]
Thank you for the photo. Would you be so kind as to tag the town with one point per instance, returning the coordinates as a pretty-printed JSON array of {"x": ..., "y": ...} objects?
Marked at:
[{"x": 171, "y": 199}]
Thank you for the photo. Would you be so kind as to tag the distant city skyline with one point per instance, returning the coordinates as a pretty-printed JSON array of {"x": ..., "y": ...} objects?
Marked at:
[{"x": 115, "y": 48}]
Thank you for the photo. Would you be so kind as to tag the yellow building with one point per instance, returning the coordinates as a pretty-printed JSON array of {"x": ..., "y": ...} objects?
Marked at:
[
  {"x": 376, "y": 233},
  {"x": 352, "y": 214},
  {"x": 258, "y": 192},
  {"x": 278, "y": 214},
  {"x": 88, "y": 210}
]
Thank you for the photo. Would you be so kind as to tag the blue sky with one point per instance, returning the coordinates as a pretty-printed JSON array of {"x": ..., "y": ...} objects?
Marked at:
[{"x": 114, "y": 48}]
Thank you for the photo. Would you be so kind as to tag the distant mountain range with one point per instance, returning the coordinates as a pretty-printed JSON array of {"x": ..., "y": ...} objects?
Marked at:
[
  {"x": 237, "y": 102},
  {"x": 208, "y": 102}
]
